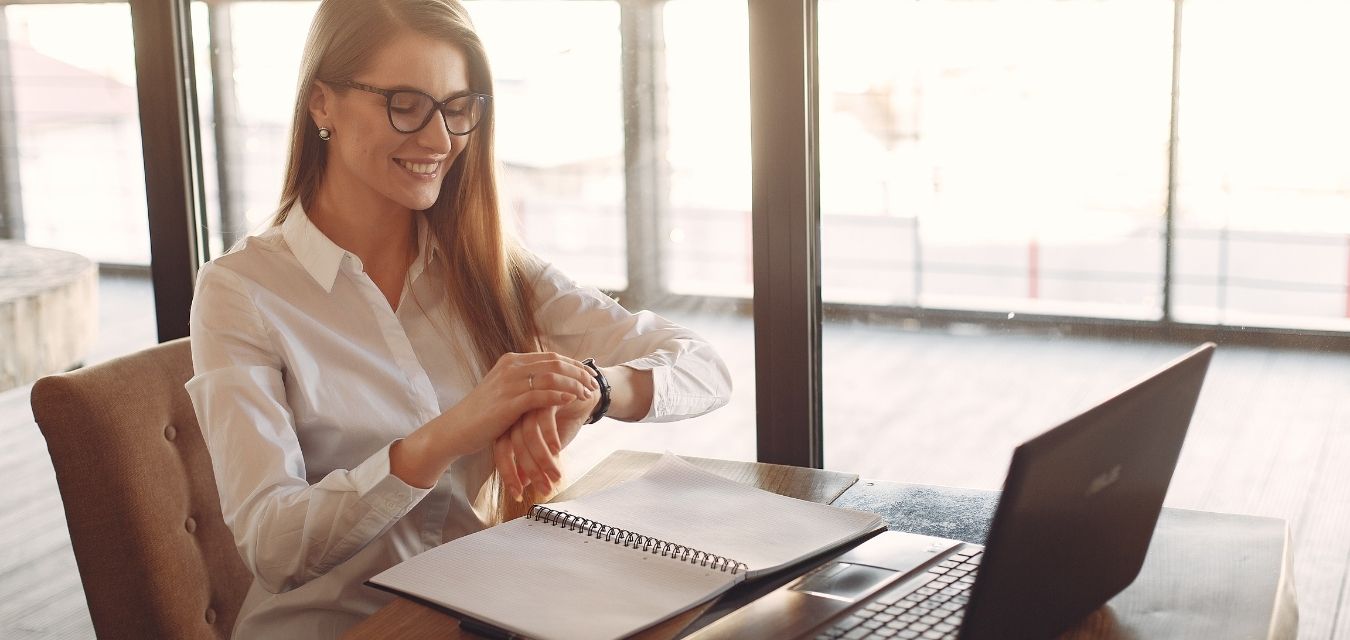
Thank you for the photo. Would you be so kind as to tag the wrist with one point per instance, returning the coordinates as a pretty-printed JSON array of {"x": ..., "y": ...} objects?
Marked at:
[
  {"x": 603, "y": 397},
  {"x": 408, "y": 462},
  {"x": 631, "y": 393}
]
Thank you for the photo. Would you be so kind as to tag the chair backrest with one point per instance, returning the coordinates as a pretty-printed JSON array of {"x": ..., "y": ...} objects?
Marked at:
[{"x": 154, "y": 554}]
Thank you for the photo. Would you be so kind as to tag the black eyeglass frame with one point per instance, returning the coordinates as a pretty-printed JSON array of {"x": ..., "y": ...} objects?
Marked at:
[{"x": 438, "y": 104}]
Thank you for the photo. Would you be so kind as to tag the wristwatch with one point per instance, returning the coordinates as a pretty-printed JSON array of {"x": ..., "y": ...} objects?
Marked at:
[{"x": 602, "y": 407}]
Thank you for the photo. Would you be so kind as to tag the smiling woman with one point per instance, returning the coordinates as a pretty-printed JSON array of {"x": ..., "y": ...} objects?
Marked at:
[
  {"x": 396, "y": 166},
  {"x": 383, "y": 368}
]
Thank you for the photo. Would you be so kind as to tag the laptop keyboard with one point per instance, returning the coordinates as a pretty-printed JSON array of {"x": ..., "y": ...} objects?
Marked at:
[{"x": 931, "y": 612}]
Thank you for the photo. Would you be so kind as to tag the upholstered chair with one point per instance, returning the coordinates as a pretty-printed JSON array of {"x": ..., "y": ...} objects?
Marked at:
[{"x": 154, "y": 554}]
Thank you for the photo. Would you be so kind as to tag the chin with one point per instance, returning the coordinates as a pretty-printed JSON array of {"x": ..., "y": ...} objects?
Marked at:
[
  {"x": 420, "y": 201},
  {"x": 422, "y": 204}
]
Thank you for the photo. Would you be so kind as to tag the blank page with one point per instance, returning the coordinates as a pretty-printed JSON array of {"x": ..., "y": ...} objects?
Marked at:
[
  {"x": 677, "y": 502},
  {"x": 546, "y": 581}
]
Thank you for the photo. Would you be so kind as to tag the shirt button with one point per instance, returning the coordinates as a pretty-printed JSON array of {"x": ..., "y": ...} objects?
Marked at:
[
  {"x": 190, "y": 525},
  {"x": 170, "y": 433}
]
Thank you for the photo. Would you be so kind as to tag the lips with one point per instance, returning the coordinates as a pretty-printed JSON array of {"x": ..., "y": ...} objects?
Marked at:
[{"x": 420, "y": 168}]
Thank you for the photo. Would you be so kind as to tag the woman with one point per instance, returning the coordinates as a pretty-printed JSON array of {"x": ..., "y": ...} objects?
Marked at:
[{"x": 368, "y": 365}]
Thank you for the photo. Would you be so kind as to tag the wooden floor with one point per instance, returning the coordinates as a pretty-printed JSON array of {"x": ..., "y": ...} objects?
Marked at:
[{"x": 1271, "y": 436}]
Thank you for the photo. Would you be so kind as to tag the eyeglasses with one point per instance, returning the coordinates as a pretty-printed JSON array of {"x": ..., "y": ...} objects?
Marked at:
[{"x": 410, "y": 111}]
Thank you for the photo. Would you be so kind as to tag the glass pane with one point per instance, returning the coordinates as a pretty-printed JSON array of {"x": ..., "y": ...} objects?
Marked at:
[
  {"x": 706, "y": 249},
  {"x": 560, "y": 129},
  {"x": 75, "y": 101},
  {"x": 1263, "y": 233},
  {"x": 74, "y": 278},
  {"x": 968, "y": 165},
  {"x": 246, "y": 120},
  {"x": 978, "y": 156},
  {"x": 704, "y": 236}
]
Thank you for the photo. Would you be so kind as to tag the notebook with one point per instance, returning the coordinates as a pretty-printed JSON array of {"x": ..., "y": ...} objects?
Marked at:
[{"x": 620, "y": 560}]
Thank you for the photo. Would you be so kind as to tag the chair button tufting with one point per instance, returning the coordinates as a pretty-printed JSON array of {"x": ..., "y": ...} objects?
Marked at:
[
  {"x": 170, "y": 432},
  {"x": 210, "y": 616},
  {"x": 191, "y": 526}
]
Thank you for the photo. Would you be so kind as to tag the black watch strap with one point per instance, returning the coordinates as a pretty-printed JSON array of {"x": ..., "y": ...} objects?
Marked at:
[{"x": 602, "y": 407}]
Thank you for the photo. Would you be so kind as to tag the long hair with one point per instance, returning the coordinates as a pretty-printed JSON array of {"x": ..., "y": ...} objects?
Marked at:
[{"x": 487, "y": 286}]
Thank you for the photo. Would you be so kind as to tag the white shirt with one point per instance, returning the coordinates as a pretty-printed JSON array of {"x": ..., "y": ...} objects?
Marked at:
[{"x": 304, "y": 377}]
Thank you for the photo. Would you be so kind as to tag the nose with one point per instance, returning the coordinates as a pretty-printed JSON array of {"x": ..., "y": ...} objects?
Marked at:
[{"x": 435, "y": 137}]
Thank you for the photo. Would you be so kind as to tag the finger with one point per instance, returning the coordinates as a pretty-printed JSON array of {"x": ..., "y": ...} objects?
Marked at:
[
  {"x": 548, "y": 428},
  {"x": 505, "y": 461},
  {"x": 524, "y": 466},
  {"x": 526, "y": 457},
  {"x": 554, "y": 363},
  {"x": 539, "y": 399},
  {"x": 566, "y": 368},
  {"x": 536, "y": 438},
  {"x": 544, "y": 356},
  {"x": 559, "y": 382}
]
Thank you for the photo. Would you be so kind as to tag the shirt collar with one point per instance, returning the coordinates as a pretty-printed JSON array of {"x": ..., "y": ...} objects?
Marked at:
[
  {"x": 319, "y": 256},
  {"x": 322, "y": 258}
]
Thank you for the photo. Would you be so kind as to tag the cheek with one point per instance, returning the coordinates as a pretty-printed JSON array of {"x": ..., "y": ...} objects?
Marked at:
[
  {"x": 364, "y": 148},
  {"x": 457, "y": 145}
]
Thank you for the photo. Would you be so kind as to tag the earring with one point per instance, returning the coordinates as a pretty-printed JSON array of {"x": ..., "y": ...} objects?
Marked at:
[{"x": 325, "y": 134}]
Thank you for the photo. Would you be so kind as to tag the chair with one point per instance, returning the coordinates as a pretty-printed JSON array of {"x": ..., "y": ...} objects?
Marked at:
[{"x": 154, "y": 554}]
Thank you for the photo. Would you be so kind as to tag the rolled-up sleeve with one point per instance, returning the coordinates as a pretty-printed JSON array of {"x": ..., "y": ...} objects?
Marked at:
[
  {"x": 689, "y": 377},
  {"x": 287, "y": 530}
]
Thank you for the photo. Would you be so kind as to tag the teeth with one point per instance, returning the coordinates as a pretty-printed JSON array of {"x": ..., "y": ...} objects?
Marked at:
[{"x": 422, "y": 167}]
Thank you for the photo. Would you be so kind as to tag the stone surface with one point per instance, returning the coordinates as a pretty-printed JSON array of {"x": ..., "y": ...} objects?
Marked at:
[{"x": 48, "y": 311}]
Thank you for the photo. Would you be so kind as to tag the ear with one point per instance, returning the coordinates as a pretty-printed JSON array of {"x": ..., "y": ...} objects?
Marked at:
[{"x": 321, "y": 103}]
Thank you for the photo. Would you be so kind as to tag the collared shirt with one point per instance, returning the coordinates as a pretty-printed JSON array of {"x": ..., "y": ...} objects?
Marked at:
[{"x": 305, "y": 375}]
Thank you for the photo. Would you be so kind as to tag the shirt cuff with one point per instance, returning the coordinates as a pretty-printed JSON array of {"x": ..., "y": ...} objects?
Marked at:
[{"x": 382, "y": 490}]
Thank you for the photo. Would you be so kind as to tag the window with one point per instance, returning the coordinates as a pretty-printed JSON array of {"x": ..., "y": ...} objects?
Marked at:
[
  {"x": 1263, "y": 194},
  {"x": 248, "y": 59},
  {"x": 77, "y": 123},
  {"x": 559, "y": 108},
  {"x": 707, "y": 238},
  {"x": 969, "y": 163}
]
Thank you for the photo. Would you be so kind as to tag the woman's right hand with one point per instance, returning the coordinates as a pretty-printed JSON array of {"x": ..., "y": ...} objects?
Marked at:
[{"x": 516, "y": 384}]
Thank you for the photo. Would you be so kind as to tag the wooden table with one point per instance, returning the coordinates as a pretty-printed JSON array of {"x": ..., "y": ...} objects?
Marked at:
[{"x": 1207, "y": 575}]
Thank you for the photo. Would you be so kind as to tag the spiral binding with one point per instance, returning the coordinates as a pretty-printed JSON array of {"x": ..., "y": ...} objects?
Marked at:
[{"x": 634, "y": 540}]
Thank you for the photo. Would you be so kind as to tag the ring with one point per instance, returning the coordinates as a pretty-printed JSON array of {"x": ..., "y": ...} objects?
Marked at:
[{"x": 531, "y": 379}]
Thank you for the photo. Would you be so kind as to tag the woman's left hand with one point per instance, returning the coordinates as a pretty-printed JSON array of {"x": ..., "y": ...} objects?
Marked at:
[{"x": 528, "y": 452}]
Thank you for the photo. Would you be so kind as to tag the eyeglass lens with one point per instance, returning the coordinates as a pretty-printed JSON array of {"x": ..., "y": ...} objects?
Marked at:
[{"x": 409, "y": 111}]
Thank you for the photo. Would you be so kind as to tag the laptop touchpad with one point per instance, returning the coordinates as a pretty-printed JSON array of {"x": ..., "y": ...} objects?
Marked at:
[{"x": 842, "y": 580}]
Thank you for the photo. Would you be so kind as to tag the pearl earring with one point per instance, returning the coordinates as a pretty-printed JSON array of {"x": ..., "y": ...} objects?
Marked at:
[{"x": 325, "y": 134}]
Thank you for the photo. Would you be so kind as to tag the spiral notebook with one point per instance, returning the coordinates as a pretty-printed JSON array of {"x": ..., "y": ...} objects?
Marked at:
[{"x": 620, "y": 560}]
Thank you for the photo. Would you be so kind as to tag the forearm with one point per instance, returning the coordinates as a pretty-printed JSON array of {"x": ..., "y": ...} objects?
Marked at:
[
  {"x": 423, "y": 456},
  {"x": 630, "y": 393}
]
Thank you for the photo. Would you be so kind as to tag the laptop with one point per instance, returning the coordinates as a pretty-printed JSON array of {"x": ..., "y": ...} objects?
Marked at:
[{"x": 1070, "y": 531}]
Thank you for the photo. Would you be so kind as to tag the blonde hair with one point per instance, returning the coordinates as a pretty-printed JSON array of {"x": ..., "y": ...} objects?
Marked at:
[{"x": 487, "y": 282}]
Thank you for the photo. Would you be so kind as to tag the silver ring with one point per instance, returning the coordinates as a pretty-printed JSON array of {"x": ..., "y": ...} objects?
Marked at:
[{"x": 531, "y": 379}]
